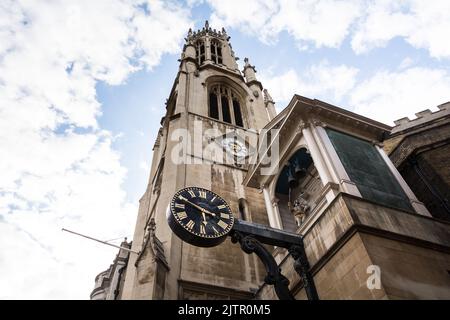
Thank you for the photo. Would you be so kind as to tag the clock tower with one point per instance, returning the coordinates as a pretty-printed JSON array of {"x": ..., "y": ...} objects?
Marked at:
[{"x": 207, "y": 137}]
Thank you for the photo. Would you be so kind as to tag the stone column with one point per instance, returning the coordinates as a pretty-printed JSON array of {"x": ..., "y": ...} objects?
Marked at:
[
  {"x": 207, "y": 49},
  {"x": 332, "y": 160},
  {"x": 318, "y": 159},
  {"x": 273, "y": 215}
]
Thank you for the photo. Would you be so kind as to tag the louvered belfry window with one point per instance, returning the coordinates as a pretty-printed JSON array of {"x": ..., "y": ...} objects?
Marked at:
[
  {"x": 224, "y": 105},
  {"x": 216, "y": 52},
  {"x": 200, "y": 51}
]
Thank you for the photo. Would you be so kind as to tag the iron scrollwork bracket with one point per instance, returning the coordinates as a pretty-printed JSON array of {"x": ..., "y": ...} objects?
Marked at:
[
  {"x": 301, "y": 266},
  {"x": 274, "y": 277}
]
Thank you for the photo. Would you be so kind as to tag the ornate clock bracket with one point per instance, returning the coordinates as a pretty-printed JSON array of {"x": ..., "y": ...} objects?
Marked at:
[
  {"x": 274, "y": 277},
  {"x": 251, "y": 237}
]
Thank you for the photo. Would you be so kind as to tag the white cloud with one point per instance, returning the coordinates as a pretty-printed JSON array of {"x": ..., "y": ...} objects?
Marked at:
[
  {"x": 324, "y": 23},
  {"x": 406, "y": 63},
  {"x": 327, "y": 23},
  {"x": 58, "y": 167},
  {"x": 388, "y": 96},
  {"x": 423, "y": 24},
  {"x": 323, "y": 81},
  {"x": 384, "y": 96}
]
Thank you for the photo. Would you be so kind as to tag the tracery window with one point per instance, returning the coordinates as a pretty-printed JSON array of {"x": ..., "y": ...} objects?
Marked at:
[
  {"x": 224, "y": 105},
  {"x": 216, "y": 52},
  {"x": 200, "y": 51}
]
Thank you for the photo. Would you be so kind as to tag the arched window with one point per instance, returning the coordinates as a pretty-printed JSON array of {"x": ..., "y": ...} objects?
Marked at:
[
  {"x": 216, "y": 52},
  {"x": 200, "y": 51},
  {"x": 224, "y": 105}
]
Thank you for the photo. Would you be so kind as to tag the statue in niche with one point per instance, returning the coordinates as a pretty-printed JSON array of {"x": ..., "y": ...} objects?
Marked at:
[{"x": 300, "y": 208}]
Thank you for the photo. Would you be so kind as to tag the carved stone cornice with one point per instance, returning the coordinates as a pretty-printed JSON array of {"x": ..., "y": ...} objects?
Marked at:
[{"x": 317, "y": 122}]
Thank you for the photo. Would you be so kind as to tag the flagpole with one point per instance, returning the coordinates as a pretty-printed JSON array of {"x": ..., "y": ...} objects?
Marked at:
[{"x": 104, "y": 242}]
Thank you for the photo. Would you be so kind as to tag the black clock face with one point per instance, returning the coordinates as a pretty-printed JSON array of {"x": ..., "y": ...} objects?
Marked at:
[{"x": 200, "y": 216}]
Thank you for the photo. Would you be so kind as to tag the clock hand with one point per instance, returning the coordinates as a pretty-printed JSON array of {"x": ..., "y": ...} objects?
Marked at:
[
  {"x": 197, "y": 206},
  {"x": 204, "y": 218}
]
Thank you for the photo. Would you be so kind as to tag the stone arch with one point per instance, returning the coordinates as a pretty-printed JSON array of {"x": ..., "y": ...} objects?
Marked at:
[{"x": 295, "y": 188}]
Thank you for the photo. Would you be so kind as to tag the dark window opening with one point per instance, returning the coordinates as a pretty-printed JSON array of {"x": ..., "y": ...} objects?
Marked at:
[
  {"x": 213, "y": 107},
  {"x": 237, "y": 113},
  {"x": 200, "y": 51},
  {"x": 219, "y": 55},
  {"x": 225, "y": 110},
  {"x": 225, "y": 105},
  {"x": 216, "y": 52}
]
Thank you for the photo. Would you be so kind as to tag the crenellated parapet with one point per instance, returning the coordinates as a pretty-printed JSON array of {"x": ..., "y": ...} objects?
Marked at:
[{"x": 422, "y": 117}]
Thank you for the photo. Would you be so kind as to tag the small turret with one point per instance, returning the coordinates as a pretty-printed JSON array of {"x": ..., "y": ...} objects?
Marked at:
[
  {"x": 270, "y": 105},
  {"x": 250, "y": 78},
  {"x": 249, "y": 71}
]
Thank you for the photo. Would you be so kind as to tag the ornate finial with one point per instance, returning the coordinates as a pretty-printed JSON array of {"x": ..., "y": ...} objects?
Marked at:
[
  {"x": 206, "y": 25},
  {"x": 246, "y": 61},
  {"x": 189, "y": 33},
  {"x": 223, "y": 31}
]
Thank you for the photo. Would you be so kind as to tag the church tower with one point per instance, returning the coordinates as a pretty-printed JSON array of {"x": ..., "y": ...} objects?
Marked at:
[{"x": 209, "y": 132}]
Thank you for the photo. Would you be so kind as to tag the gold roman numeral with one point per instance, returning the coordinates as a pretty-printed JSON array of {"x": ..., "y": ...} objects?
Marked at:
[
  {"x": 213, "y": 198},
  {"x": 179, "y": 205},
  {"x": 222, "y": 206},
  {"x": 182, "y": 215},
  {"x": 202, "y": 194},
  {"x": 192, "y": 193},
  {"x": 222, "y": 224},
  {"x": 202, "y": 229},
  {"x": 190, "y": 224},
  {"x": 224, "y": 215}
]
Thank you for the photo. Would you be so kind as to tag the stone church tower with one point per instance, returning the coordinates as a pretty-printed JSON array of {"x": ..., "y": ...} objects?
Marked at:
[{"x": 211, "y": 104}]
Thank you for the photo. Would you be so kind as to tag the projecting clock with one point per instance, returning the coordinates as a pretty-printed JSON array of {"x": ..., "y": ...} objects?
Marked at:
[{"x": 199, "y": 217}]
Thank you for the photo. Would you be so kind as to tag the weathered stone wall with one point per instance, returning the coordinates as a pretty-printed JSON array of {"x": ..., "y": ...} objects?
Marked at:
[
  {"x": 409, "y": 271},
  {"x": 412, "y": 252},
  {"x": 420, "y": 149}
]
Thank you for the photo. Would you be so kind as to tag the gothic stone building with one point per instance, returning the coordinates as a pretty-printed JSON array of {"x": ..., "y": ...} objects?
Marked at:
[{"x": 333, "y": 183}]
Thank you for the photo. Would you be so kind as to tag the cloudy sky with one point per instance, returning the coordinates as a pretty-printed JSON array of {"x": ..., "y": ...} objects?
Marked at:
[{"x": 83, "y": 86}]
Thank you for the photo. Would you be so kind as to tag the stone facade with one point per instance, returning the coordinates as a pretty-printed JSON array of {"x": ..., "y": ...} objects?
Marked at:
[
  {"x": 109, "y": 283},
  {"x": 366, "y": 234},
  {"x": 359, "y": 245},
  {"x": 420, "y": 149}
]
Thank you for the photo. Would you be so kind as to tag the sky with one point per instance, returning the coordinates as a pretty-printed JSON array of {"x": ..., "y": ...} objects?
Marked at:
[{"x": 82, "y": 91}]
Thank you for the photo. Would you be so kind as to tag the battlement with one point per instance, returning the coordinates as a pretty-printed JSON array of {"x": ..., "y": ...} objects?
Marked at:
[{"x": 421, "y": 118}]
